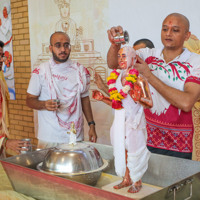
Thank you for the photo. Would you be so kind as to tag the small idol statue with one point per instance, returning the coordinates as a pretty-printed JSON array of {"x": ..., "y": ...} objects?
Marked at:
[
  {"x": 72, "y": 134},
  {"x": 128, "y": 92}
]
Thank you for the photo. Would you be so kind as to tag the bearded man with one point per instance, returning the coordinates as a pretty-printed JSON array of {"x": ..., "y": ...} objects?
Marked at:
[{"x": 59, "y": 90}]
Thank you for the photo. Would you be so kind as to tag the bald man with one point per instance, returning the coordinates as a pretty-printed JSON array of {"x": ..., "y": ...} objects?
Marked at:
[
  {"x": 174, "y": 78},
  {"x": 59, "y": 90}
]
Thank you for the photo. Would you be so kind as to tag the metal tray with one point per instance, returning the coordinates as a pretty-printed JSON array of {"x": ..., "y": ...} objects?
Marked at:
[{"x": 178, "y": 178}]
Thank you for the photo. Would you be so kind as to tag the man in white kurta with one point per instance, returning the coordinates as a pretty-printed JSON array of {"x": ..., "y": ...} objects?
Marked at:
[
  {"x": 58, "y": 89},
  {"x": 67, "y": 82}
]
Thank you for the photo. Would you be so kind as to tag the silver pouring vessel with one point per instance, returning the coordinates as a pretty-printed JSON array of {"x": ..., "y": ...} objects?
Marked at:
[{"x": 122, "y": 38}]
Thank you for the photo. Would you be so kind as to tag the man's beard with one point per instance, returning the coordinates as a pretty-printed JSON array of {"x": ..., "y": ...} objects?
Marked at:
[{"x": 55, "y": 57}]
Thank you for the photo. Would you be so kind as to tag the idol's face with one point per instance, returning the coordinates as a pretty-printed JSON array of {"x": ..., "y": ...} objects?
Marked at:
[
  {"x": 124, "y": 59},
  {"x": 60, "y": 47},
  {"x": 174, "y": 32}
]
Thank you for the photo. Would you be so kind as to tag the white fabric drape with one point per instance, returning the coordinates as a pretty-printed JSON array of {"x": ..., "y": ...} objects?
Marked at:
[{"x": 128, "y": 132}]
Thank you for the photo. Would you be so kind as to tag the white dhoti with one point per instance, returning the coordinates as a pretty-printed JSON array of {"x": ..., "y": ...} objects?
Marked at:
[
  {"x": 128, "y": 132},
  {"x": 118, "y": 141}
]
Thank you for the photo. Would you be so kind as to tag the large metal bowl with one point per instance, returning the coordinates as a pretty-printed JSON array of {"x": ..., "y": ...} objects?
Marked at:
[{"x": 80, "y": 162}]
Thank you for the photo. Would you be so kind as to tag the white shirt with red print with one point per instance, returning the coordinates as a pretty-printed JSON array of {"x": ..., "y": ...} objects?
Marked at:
[
  {"x": 68, "y": 82},
  {"x": 168, "y": 127}
]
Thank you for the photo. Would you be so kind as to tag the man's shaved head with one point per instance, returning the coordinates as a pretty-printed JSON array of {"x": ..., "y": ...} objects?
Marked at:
[
  {"x": 58, "y": 33},
  {"x": 181, "y": 17}
]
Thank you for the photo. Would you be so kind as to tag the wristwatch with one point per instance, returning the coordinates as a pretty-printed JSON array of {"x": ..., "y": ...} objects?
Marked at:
[{"x": 92, "y": 122}]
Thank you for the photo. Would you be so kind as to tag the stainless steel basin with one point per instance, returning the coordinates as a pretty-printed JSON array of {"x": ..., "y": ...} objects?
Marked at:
[{"x": 80, "y": 162}]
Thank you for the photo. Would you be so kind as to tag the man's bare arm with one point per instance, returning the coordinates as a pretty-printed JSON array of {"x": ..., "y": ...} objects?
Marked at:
[
  {"x": 87, "y": 110},
  {"x": 114, "y": 48},
  {"x": 33, "y": 102},
  {"x": 183, "y": 100},
  {"x": 112, "y": 56}
]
